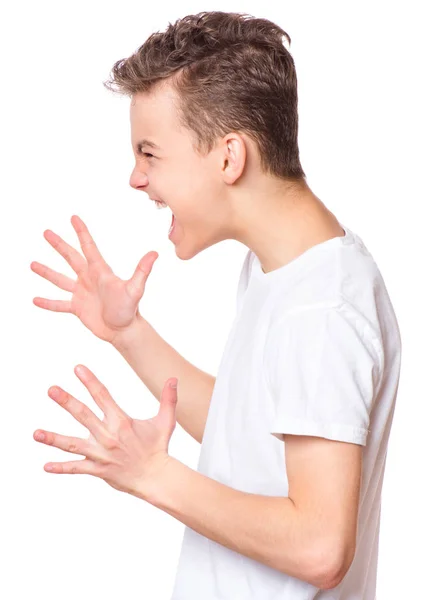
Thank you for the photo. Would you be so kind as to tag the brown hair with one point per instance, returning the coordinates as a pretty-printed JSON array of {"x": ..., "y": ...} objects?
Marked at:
[{"x": 230, "y": 72}]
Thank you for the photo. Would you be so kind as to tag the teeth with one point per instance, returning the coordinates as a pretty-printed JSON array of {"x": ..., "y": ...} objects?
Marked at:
[
  {"x": 159, "y": 204},
  {"x": 172, "y": 224}
]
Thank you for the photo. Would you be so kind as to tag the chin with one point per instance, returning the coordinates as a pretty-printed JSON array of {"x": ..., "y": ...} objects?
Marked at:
[{"x": 186, "y": 251}]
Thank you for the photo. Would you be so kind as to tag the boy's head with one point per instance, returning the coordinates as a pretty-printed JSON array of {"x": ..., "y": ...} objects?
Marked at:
[{"x": 217, "y": 93}]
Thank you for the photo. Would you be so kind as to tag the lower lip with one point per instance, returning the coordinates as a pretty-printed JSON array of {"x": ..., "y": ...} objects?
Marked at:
[{"x": 173, "y": 223}]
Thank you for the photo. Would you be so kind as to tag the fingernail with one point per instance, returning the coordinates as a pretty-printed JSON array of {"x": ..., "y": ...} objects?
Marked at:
[{"x": 173, "y": 384}]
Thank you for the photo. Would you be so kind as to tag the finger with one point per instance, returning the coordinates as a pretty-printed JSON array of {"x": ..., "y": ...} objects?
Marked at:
[
  {"x": 89, "y": 247},
  {"x": 99, "y": 392},
  {"x": 62, "y": 281},
  {"x": 136, "y": 284},
  {"x": 72, "y": 256},
  {"x": 83, "y": 467},
  {"x": 82, "y": 413},
  {"x": 168, "y": 403},
  {"x": 67, "y": 443},
  {"x": 55, "y": 305}
]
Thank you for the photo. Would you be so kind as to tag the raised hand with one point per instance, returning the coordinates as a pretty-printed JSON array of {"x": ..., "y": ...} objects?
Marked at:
[
  {"x": 106, "y": 304},
  {"x": 126, "y": 453}
]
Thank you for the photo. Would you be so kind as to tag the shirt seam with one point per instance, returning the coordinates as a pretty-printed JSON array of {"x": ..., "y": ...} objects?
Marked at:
[{"x": 367, "y": 330}]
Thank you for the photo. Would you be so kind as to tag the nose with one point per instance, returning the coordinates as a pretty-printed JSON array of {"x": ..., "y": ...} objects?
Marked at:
[{"x": 138, "y": 180}]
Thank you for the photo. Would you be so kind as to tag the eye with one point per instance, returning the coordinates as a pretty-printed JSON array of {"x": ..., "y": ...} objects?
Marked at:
[{"x": 147, "y": 154}]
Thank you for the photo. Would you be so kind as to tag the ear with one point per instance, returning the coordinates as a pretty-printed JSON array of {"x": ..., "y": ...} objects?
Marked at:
[{"x": 234, "y": 157}]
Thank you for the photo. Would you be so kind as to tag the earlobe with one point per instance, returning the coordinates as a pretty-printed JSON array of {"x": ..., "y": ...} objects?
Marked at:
[
  {"x": 231, "y": 171},
  {"x": 234, "y": 159}
]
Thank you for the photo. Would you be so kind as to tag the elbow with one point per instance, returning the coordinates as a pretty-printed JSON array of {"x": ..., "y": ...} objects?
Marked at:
[{"x": 330, "y": 568}]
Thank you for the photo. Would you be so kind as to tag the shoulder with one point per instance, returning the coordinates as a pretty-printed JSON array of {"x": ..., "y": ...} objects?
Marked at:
[{"x": 325, "y": 332}]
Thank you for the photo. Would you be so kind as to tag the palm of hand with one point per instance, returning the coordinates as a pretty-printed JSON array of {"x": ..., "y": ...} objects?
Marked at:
[{"x": 103, "y": 302}]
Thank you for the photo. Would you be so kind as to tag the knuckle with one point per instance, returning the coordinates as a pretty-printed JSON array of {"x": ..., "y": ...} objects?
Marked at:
[
  {"x": 125, "y": 427},
  {"x": 101, "y": 469},
  {"x": 87, "y": 243},
  {"x": 125, "y": 423},
  {"x": 83, "y": 414},
  {"x": 61, "y": 247},
  {"x": 72, "y": 447},
  {"x": 112, "y": 443},
  {"x": 103, "y": 393},
  {"x": 65, "y": 397},
  {"x": 95, "y": 270}
]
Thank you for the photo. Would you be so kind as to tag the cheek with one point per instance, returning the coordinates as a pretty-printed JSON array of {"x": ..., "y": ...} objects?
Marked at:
[{"x": 190, "y": 197}]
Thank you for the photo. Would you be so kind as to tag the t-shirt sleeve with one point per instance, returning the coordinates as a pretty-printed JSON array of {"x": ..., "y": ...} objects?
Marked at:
[{"x": 322, "y": 368}]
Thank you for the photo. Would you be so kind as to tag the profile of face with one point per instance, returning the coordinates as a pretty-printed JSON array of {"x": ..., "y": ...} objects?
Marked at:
[{"x": 195, "y": 188}]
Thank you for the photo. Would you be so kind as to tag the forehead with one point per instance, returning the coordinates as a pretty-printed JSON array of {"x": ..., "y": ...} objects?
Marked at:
[{"x": 153, "y": 115}]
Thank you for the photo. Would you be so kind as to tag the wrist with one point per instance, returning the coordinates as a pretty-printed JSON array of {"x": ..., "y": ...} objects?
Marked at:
[
  {"x": 153, "y": 487},
  {"x": 125, "y": 338}
]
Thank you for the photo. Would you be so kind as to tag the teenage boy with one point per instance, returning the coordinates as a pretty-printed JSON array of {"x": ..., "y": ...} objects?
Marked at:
[{"x": 294, "y": 429}]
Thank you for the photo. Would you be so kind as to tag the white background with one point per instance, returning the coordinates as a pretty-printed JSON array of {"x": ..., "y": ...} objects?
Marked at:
[{"x": 66, "y": 150}]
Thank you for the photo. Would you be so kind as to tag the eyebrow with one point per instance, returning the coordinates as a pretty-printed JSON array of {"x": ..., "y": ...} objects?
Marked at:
[{"x": 147, "y": 143}]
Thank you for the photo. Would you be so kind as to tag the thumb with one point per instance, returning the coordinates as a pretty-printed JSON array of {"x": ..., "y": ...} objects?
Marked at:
[
  {"x": 136, "y": 284},
  {"x": 167, "y": 412}
]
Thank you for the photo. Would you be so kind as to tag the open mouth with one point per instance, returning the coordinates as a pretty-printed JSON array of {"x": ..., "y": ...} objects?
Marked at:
[{"x": 160, "y": 204}]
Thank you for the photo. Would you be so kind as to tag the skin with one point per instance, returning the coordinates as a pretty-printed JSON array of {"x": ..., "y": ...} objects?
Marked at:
[
  {"x": 217, "y": 197},
  {"x": 224, "y": 195},
  {"x": 126, "y": 453}
]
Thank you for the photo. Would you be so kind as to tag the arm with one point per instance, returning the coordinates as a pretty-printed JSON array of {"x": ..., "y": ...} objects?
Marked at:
[
  {"x": 154, "y": 361},
  {"x": 268, "y": 529},
  {"x": 107, "y": 304}
]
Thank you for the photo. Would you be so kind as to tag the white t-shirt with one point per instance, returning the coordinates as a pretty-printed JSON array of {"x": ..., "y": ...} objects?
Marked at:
[{"x": 315, "y": 349}]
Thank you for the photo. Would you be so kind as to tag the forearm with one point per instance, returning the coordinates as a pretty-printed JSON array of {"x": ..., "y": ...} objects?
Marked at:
[
  {"x": 154, "y": 361},
  {"x": 268, "y": 529}
]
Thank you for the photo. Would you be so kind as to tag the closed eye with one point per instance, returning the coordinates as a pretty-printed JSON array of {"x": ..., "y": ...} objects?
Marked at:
[{"x": 147, "y": 154}]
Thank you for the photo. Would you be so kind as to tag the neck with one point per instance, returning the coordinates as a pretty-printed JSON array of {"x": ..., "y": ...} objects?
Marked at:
[{"x": 280, "y": 224}]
